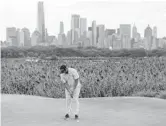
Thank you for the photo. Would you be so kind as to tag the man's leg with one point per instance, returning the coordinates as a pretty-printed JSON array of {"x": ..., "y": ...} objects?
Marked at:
[
  {"x": 76, "y": 98},
  {"x": 68, "y": 102}
]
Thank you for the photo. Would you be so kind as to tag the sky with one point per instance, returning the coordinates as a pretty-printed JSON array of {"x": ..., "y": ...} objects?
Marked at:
[{"x": 23, "y": 13}]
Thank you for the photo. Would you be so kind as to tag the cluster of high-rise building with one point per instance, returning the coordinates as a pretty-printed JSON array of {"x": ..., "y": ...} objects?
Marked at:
[{"x": 80, "y": 35}]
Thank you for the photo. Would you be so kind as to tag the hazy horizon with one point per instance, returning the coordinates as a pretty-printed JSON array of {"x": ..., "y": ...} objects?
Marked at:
[{"x": 22, "y": 13}]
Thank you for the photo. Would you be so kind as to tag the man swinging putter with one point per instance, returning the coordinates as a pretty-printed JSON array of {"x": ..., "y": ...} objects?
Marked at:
[{"x": 70, "y": 80}]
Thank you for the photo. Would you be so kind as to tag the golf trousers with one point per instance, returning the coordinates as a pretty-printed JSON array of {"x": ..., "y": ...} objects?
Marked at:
[{"x": 76, "y": 101}]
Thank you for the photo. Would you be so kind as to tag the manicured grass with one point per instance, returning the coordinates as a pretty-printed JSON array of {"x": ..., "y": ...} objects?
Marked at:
[{"x": 20, "y": 110}]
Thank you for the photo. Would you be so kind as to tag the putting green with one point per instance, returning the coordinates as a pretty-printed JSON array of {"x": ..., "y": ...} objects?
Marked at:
[{"x": 21, "y": 110}]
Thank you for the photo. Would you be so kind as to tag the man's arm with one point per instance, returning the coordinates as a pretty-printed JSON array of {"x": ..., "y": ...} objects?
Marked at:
[
  {"x": 75, "y": 83},
  {"x": 66, "y": 86},
  {"x": 76, "y": 79}
]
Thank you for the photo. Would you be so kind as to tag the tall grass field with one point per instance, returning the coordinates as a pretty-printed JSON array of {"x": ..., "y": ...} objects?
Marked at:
[{"x": 107, "y": 77}]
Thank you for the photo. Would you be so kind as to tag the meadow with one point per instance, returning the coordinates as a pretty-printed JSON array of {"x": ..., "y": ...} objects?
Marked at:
[{"x": 109, "y": 77}]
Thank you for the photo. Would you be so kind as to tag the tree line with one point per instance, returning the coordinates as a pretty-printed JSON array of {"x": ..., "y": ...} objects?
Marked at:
[{"x": 54, "y": 52}]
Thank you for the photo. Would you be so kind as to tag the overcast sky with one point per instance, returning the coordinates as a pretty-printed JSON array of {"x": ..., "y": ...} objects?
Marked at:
[{"x": 23, "y": 13}]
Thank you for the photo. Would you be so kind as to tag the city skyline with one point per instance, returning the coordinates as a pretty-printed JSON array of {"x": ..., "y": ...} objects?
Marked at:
[{"x": 55, "y": 30}]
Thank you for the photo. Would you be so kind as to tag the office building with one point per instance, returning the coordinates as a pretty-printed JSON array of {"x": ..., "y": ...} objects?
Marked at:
[
  {"x": 154, "y": 43},
  {"x": 18, "y": 37},
  {"x": 75, "y": 25},
  {"x": 108, "y": 41},
  {"x": 61, "y": 28},
  {"x": 100, "y": 36},
  {"x": 83, "y": 26},
  {"x": 148, "y": 32},
  {"x": 109, "y": 32},
  {"x": 41, "y": 21},
  {"x": 138, "y": 37},
  {"x": 162, "y": 43},
  {"x": 25, "y": 39},
  {"x": 10, "y": 32},
  {"x": 11, "y": 36},
  {"x": 126, "y": 41},
  {"x": 69, "y": 35},
  {"x": 134, "y": 32},
  {"x": 76, "y": 35},
  {"x": 89, "y": 37},
  {"x": 125, "y": 34},
  {"x": 94, "y": 33},
  {"x": 118, "y": 31},
  {"x": 116, "y": 42},
  {"x": 154, "y": 32},
  {"x": 35, "y": 38},
  {"x": 125, "y": 29},
  {"x": 148, "y": 37},
  {"x": 89, "y": 28},
  {"x": 62, "y": 40}
]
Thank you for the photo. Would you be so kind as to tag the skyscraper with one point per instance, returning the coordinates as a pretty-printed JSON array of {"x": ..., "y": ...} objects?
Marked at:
[
  {"x": 89, "y": 28},
  {"x": 126, "y": 42},
  {"x": 134, "y": 32},
  {"x": 69, "y": 37},
  {"x": 83, "y": 26},
  {"x": 125, "y": 34},
  {"x": 138, "y": 38},
  {"x": 148, "y": 37},
  {"x": 155, "y": 31},
  {"x": 100, "y": 35},
  {"x": 125, "y": 29},
  {"x": 109, "y": 32},
  {"x": 154, "y": 43},
  {"x": 35, "y": 38},
  {"x": 116, "y": 42},
  {"x": 61, "y": 28},
  {"x": 90, "y": 37},
  {"x": 76, "y": 35},
  {"x": 62, "y": 40},
  {"x": 118, "y": 31},
  {"x": 148, "y": 32},
  {"x": 75, "y": 22},
  {"x": 12, "y": 36},
  {"x": 25, "y": 39},
  {"x": 18, "y": 36},
  {"x": 10, "y": 32},
  {"x": 41, "y": 21},
  {"x": 46, "y": 36},
  {"x": 94, "y": 33}
]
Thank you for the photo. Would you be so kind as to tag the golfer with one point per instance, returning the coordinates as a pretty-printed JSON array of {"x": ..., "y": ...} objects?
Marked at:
[{"x": 70, "y": 80}]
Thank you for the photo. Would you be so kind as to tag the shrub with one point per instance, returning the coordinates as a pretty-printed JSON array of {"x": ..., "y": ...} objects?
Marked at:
[
  {"x": 162, "y": 95},
  {"x": 145, "y": 93}
]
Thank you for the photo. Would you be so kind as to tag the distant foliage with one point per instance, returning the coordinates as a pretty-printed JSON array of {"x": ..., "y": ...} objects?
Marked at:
[
  {"x": 107, "y": 77},
  {"x": 51, "y": 51}
]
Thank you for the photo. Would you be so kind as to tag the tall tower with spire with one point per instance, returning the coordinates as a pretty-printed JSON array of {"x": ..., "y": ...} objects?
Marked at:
[
  {"x": 134, "y": 32},
  {"x": 148, "y": 32},
  {"x": 148, "y": 37}
]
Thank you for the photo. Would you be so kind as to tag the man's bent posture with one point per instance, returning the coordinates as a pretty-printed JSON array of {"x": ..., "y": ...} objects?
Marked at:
[{"x": 70, "y": 79}]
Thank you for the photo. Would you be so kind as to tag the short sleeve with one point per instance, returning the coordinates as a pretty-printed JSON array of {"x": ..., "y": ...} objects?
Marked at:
[
  {"x": 62, "y": 78},
  {"x": 75, "y": 74}
]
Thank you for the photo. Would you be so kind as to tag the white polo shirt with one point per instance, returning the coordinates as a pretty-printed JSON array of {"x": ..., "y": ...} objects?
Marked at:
[{"x": 70, "y": 77}]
